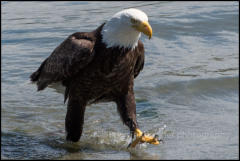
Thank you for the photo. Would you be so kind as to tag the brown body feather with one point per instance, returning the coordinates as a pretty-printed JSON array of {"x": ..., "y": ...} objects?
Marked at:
[{"x": 92, "y": 73}]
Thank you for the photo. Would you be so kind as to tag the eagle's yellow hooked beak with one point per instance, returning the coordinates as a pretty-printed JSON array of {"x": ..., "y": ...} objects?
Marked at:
[{"x": 145, "y": 28}]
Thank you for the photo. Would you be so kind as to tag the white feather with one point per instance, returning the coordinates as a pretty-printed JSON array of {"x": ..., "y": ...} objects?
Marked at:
[{"x": 118, "y": 31}]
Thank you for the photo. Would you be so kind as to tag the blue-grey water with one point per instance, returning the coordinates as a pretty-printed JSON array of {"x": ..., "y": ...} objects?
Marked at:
[{"x": 187, "y": 93}]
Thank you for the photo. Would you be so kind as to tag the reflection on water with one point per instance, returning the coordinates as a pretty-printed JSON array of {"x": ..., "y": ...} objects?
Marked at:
[{"x": 187, "y": 92}]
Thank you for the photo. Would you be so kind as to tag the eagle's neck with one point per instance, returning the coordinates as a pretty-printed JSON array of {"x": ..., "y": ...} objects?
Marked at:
[{"x": 116, "y": 35}]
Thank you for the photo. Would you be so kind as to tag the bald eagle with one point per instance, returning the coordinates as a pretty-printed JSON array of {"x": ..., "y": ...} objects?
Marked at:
[{"x": 99, "y": 66}]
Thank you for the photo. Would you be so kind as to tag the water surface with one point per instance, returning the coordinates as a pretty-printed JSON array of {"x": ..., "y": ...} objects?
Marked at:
[{"x": 187, "y": 93}]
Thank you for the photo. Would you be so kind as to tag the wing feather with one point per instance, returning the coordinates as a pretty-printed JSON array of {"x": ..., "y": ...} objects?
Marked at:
[
  {"x": 66, "y": 60},
  {"x": 140, "y": 60}
]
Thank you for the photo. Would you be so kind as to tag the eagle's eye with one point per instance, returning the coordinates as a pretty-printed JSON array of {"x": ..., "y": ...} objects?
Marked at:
[{"x": 134, "y": 21}]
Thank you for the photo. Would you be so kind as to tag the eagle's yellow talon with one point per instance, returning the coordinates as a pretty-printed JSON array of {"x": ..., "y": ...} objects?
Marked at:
[{"x": 141, "y": 137}]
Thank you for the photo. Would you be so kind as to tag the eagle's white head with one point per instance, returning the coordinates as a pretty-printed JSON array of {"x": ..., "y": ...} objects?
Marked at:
[{"x": 125, "y": 27}]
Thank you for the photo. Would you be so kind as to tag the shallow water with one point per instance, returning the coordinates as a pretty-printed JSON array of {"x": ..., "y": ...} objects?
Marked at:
[{"x": 187, "y": 92}]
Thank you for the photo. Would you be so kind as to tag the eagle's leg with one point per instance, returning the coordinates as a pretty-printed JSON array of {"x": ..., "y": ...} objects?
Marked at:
[
  {"x": 75, "y": 118},
  {"x": 127, "y": 109}
]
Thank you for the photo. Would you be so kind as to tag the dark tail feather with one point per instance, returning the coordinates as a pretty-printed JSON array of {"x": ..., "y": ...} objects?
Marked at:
[
  {"x": 34, "y": 77},
  {"x": 42, "y": 84}
]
